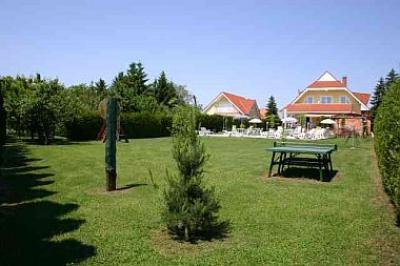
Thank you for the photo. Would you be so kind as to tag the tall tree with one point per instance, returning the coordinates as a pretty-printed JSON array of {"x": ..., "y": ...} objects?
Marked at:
[
  {"x": 271, "y": 106},
  {"x": 391, "y": 77},
  {"x": 136, "y": 78},
  {"x": 101, "y": 89},
  {"x": 377, "y": 96},
  {"x": 183, "y": 95},
  {"x": 164, "y": 91}
]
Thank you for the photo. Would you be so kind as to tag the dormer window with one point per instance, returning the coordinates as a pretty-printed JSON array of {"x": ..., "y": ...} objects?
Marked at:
[
  {"x": 326, "y": 99},
  {"x": 309, "y": 99},
  {"x": 344, "y": 99}
]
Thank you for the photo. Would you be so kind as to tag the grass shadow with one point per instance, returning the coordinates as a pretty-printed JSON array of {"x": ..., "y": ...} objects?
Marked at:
[
  {"x": 308, "y": 173},
  {"x": 216, "y": 231},
  {"x": 128, "y": 186},
  {"x": 28, "y": 222}
]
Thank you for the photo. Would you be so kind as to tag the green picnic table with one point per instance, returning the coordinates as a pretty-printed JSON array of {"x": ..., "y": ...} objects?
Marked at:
[{"x": 302, "y": 154}]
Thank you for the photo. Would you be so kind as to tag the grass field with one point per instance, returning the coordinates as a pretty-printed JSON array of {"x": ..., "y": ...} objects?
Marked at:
[{"x": 54, "y": 209}]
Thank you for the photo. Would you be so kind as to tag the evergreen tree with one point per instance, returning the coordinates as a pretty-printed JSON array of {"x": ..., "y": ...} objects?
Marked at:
[
  {"x": 164, "y": 91},
  {"x": 391, "y": 77},
  {"x": 378, "y": 96},
  {"x": 101, "y": 89},
  {"x": 271, "y": 106},
  {"x": 136, "y": 78},
  {"x": 190, "y": 209}
]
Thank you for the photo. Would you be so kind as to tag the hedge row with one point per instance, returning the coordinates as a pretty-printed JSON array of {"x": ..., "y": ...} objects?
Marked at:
[
  {"x": 86, "y": 127},
  {"x": 387, "y": 143},
  {"x": 146, "y": 125},
  {"x": 135, "y": 125}
]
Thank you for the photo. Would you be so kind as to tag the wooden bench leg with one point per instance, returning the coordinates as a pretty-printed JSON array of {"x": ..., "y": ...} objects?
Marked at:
[
  {"x": 280, "y": 163},
  {"x": 320, "y": 167},
  {"x": 330, "y": 162},
  {"x": 272, "y": 164}
]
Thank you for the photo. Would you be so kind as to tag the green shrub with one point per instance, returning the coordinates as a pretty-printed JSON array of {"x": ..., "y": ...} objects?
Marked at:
[
  {"x": 190, "y": 209},
  {"x": 146, "y": 125},
  {"x": 135, "y": 125},
  {"x": 84, "y": 127},
  {"x": 212, "y": 122},
  {"x": 3, "y": 116},
  {"x": 387, "y": 144}
]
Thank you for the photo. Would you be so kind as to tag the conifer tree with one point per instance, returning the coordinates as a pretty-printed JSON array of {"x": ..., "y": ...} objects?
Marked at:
[
  {"x": 391, "y": 77},
  {"x": 271, "y": 106},
  {"x": 136, "y": 78},
  {"x": 190, "y": 209},
  {"x": 164, "y": 91},
  {"x": 101, "y": 89},
  {"x": 378, "y": 96}
]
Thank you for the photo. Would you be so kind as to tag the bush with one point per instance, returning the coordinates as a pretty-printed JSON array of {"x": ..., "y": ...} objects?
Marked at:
[
  {"x": 387, "y": 144},
  {"x": 84, "y": 127},
  {"x": 190, "y": 209},
  {"x": 217, "y": 123},
  {"x": 135, "y": 125},
  {"x": 146, "y": 125},
  {"x": 3, "y": 117},
  {"x": 212, "y": 122}
]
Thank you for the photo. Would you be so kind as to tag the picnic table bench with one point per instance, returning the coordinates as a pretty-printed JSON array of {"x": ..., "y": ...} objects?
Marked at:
[{"x": 302, "y": 154}]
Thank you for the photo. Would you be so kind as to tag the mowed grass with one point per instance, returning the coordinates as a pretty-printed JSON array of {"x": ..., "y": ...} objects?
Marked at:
[{"x": 346, "y": 221}]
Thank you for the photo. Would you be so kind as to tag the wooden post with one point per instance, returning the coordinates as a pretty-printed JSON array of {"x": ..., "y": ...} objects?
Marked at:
[{"x": 111, "y": 147}]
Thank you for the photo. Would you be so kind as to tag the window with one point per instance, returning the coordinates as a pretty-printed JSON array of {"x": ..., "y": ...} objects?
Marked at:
[
  {"x": 309, "y": 99},
  {"x": 344, "y": 99},
  {"x": 326, "y": 99}
]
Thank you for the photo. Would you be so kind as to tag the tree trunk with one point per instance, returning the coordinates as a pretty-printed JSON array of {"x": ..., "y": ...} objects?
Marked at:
[{"x": 187, "y": 236}]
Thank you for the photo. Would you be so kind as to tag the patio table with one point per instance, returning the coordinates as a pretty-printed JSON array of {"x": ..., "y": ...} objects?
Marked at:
[{"x": 302, "y": 154}]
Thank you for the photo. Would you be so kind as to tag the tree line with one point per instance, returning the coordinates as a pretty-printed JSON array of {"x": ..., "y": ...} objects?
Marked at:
[{"x": 40, "y": 108}]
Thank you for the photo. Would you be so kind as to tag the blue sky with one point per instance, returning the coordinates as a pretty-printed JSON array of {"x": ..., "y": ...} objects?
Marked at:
[{"x": 251, "y": 48}]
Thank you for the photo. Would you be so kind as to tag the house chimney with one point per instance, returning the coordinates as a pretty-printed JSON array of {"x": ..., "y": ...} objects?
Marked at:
[{"x": 344, "y": 81}]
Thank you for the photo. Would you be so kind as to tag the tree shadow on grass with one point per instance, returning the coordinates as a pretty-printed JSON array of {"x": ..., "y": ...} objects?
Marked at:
[
  {"x": 216, "y": 231},
  {"x": 309, "y": 173},
  {"x": 128, "y": 186},
  {"x": 27, "y": 222}
]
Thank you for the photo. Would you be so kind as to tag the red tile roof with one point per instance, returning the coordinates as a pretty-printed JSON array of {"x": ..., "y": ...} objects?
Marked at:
[
  {"x": 319, "y": 108},
  {"x": 363, "y": 97},
  {"x": 326, "y": 84},
  {"x": 242, "y": 103}
]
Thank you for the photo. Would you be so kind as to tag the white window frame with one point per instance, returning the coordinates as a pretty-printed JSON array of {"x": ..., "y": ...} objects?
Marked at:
[
  {"x": 309, "y": 99},
  {"x": 347, "y": 100},
  {"x": 326, "y": 97}
]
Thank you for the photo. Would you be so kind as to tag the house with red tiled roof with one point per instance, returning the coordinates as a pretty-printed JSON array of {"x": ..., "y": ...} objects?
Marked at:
[
  {"x": 228, "y": 104},
  {"x": 329, "y": 97}
]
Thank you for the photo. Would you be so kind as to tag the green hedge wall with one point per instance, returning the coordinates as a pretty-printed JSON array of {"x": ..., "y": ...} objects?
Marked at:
[
  {"x": 146, "y": 125},
  {"x": 387, "y": 143},
  {"x": 3, "y": 116},
  {"x": 135, "y": 125},
  {"x": 85, "y": 127}
]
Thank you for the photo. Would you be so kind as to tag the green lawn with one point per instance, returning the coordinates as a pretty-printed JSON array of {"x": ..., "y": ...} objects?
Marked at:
[{"x": 55, "y": 211}]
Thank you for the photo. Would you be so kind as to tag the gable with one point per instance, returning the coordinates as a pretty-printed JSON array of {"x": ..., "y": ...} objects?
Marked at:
[
  {"x": 326, "y": 80},
  {"x": 242, "y": 105}
]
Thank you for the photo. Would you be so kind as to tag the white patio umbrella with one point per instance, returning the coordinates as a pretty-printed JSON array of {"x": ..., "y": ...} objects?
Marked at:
[
  {"x": 255, "y": 121},
  {"x": 289, "y": 120},
  {"x": 328, "y": 121}
]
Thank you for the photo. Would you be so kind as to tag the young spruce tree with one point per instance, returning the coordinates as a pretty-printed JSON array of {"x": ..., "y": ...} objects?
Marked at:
[{"x": 190, "y": 210}]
